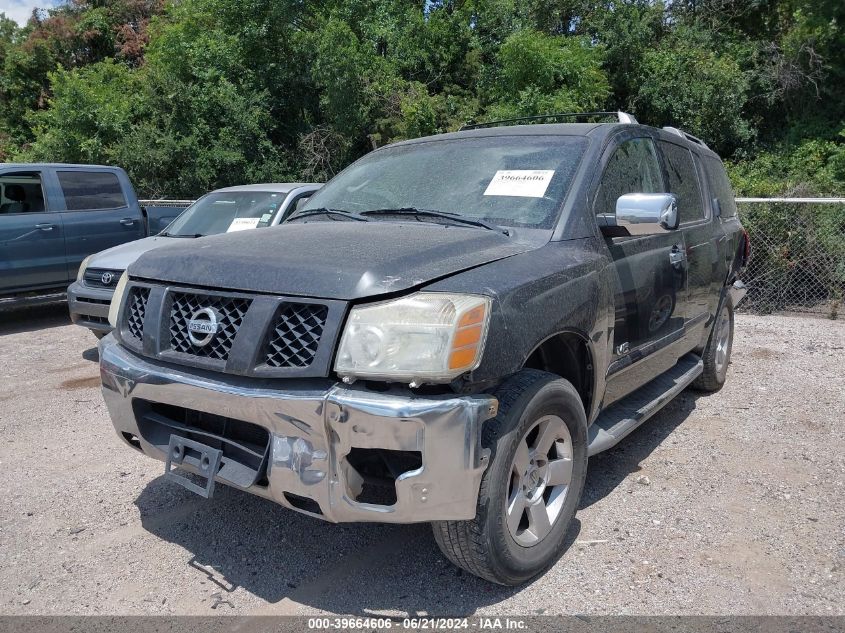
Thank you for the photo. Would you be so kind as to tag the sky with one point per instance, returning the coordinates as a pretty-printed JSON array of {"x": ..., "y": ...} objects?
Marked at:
[{"x": 20, "y": 10}]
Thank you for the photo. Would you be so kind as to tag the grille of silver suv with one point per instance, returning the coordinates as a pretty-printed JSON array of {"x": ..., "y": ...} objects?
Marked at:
[
  {"x": 136, "y": 308},
  {"x": 231, "y": 313},
  {"x": 296, "y": 335},
  {"x": 101, "y": 277}
]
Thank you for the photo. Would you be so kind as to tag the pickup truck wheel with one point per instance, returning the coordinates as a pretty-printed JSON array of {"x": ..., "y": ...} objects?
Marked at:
[
  {"x": 717, "y": 354},
  {"x": 531, "y": 490}
]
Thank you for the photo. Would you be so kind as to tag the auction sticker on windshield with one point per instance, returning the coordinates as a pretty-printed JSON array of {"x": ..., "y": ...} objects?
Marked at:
[
  {"x": 526, "y": 183},
  {"x": 240, "y": 224}
]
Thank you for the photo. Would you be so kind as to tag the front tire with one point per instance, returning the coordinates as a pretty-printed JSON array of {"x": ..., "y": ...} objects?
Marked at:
[{"x": 531, "y": 490}]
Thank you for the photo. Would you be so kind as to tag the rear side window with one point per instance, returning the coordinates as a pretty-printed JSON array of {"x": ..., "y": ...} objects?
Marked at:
[
  {"x": 683, "y": 182},
  {"x": 633, "y": 168},
  {"x": 21, "y": 193},
  {"x": 91, "y": 190},
  {"x": 720, "y": 186}
]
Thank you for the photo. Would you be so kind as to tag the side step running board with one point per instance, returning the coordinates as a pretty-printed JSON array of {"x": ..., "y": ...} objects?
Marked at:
[{"x": 624, "y": 416}]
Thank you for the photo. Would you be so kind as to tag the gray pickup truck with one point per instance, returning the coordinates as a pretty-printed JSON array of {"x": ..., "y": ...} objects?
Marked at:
[
  {"x": 52, "y": 216},
  {"x": 445, "y": 332},
  {"x": 221, "y": 211}
]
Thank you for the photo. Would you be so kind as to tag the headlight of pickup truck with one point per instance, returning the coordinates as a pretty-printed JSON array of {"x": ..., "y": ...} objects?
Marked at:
[
  {"x": 117, "y": 299},
  {"x": 425, "y": 337},
  {"x": 82, "y": 268}
]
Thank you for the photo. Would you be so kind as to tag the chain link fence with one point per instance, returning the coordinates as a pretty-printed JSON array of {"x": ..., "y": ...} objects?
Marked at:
[{"x": 797, "y": 255}]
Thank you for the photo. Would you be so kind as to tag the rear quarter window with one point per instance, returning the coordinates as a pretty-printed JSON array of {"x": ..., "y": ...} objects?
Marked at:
[
  {"x": 720, "y": 186},
  {"x": 91, "y": 190},
  {"x": 683, "y": 182}
]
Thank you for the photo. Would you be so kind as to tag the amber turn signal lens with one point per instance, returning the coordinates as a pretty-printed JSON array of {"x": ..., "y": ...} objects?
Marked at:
[
  {"x": 468, "y": 337},
  {"x": 476, "y": 315}
]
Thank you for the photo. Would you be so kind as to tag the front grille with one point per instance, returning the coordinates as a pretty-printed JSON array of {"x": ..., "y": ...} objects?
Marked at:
[
  {"x": 101, "y": 277},
  {"x": 296, "y": 335},
  {"x": 230, "y": 315},
  {"x": 233, "y": 332},
  {"x": 136, "y": 309}
]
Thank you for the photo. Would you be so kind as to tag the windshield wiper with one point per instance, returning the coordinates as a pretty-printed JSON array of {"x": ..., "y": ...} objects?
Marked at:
[
  {"x": 181, "y": 234},
  {"x": 351, "y": 215},
  {"x": 432, "y": 213}
]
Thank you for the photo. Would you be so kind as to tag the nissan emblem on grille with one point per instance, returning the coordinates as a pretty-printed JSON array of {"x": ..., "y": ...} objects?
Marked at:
[
  {"x": 203, "y": 326},
  {"x": 107, "y": 278}
]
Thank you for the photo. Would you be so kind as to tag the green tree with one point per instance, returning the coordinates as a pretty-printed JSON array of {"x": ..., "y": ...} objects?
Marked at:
[
  {"x": 685, "y": 84},
  {"x": 88, "y": 115},
  {"x": 200, "y": 93},
  {"x": 542, "y": 73}
]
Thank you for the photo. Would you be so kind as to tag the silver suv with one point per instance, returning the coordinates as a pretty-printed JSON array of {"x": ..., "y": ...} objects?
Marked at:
[{"x": 221, "y": 211}]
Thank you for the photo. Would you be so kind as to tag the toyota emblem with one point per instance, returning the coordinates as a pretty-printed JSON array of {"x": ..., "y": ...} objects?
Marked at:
[
  {"x": 107, "y": 278},
  {"x": 203, "y": 326}
]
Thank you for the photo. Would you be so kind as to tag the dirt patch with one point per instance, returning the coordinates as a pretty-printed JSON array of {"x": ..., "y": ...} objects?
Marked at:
[
  {"x": 81, "y": 383},
  {"x": 763, "y": 353}
]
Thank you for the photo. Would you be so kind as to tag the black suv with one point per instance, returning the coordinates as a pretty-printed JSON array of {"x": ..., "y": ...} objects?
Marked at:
[{"x": 445, "y": 332}]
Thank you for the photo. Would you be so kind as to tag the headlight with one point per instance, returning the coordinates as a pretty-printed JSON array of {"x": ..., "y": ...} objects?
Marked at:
[
  {"x": 82, "y": 268},
  {"x": 425, "y": 337},
  {"x": 117, "y": 299}
]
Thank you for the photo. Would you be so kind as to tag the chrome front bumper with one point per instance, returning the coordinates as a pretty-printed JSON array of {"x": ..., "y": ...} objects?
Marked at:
[
  {"x": 89, "y": 307},
  {"x": 313, "y": 426}
]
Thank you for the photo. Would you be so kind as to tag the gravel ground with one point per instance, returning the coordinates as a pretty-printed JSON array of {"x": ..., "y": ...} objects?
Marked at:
[{"x": 723, "y": 504}]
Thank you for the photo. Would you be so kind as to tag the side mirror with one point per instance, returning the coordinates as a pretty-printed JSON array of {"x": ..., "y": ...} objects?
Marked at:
[{"x": 642, "y": 214}]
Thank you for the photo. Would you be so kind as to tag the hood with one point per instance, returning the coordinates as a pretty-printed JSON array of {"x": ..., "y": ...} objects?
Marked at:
[
  {"x": 331, "y": 259},
  {"x": 120, "y": 256}
]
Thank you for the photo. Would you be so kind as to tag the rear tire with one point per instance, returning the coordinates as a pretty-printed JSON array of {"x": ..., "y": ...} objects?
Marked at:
[
  {"x": 531, "y": 490},
  {"x": 717, "y": 354}
]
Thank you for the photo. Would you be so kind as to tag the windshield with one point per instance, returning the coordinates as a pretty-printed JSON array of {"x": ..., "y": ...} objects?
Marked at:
[
  {"x": 517, "y": 181},
  {"x": 223, "y": 212}
]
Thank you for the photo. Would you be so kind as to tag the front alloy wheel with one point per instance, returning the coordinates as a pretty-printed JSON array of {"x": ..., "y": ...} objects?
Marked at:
[
  {"x": 531, "y": 489},
  {"x": 540, "y": 477}
]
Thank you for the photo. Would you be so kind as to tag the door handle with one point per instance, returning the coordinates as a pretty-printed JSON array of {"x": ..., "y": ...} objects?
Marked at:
[
  {"x": 127, "y": 221},
  {"x": 45, "y": 227},
  {"x": 677, "y": 256}
]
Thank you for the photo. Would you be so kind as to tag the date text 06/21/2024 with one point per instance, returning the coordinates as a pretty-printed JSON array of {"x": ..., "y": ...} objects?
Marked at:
[{"x": 480, "y": 623}]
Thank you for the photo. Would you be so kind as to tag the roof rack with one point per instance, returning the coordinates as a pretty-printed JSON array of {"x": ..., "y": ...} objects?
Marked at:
[
  {"x": 685, "y": 135},
  {"x": 621, "y": 117}
]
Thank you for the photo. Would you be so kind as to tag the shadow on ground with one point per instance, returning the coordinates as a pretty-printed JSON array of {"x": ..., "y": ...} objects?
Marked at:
[
  {"x": 15, "y": 320},
  {"x": 609, "y": 469},
  {"x": 239, "y": 540}
]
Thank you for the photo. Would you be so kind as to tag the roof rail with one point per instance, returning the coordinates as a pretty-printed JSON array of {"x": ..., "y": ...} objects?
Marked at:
[
  {"x": 685, "y": 135},
  {"x": 621, "y": 117}
]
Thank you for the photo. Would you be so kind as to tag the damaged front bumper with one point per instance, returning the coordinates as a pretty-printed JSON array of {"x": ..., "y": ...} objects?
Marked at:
[{"x": 307, "y": 444}]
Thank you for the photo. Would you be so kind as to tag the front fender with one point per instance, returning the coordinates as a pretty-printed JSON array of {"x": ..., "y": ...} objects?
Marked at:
[{"x": 561, "y": 287}]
